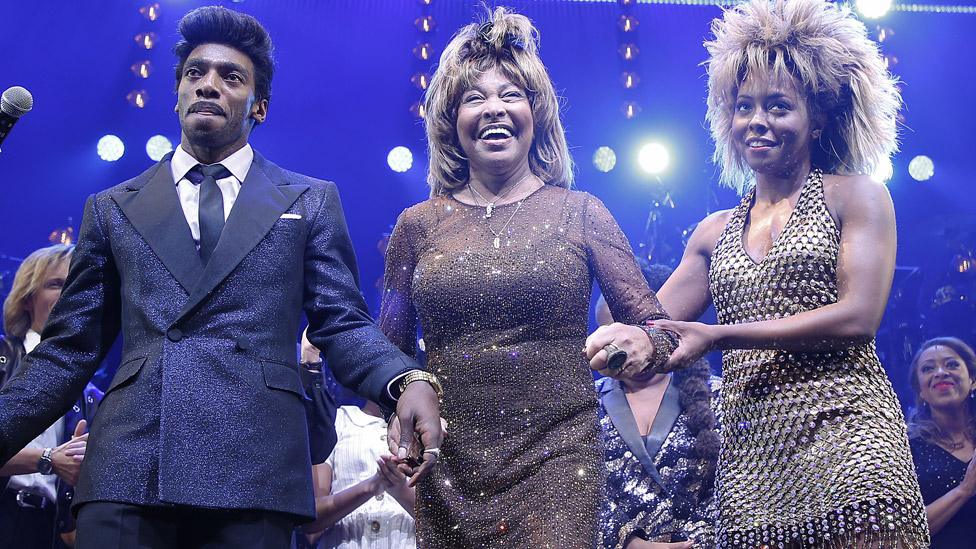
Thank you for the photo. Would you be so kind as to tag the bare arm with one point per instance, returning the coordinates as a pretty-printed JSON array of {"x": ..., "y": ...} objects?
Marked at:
[
  {"x": 865, "y": 268},
  {"x": 23, "y": 463},
  {"x": 331, "y": 508},
  {"x": 686, "y": 293},
  {"x": 941, "y": 511}
]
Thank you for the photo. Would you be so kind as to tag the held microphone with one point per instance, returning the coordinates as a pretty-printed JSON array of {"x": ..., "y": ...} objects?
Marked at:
[{"x": 14, "y": 103}]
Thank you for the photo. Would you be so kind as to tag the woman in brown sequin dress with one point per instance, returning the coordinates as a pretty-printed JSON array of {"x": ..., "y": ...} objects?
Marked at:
[
  {"x": 815, "y": 452},
  {"x": 498, "y": 267}
]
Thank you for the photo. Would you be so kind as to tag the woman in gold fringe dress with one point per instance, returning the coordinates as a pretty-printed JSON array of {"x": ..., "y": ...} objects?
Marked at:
[{"x": 815, "y": 452}]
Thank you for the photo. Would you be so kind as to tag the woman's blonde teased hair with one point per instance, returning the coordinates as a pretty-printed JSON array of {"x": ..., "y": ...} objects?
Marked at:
[
  {"x": 508, "y": 42},
  {"x": 28, "y": 279},
  {"x": 840, "y": 69}
]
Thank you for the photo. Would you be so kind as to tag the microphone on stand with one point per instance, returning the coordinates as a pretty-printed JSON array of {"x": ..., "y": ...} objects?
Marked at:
[{"x": 14, "y": 103}]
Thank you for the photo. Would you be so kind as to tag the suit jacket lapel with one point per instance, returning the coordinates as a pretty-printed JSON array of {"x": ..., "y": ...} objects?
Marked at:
[
  {"x": 258, "y": 206},
  {"x": 152, "y": 206},
  {"x": 615, "y": 403},
  {"x": 667, "y": 414}
]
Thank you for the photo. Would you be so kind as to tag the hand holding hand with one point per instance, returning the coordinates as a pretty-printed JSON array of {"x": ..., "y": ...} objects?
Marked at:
[
  {"x": 694, "y": 340},
  {"x": 67, "y": 458},
  {"x": 627, "y": 338},
  {"x": 418, "y": 416}
]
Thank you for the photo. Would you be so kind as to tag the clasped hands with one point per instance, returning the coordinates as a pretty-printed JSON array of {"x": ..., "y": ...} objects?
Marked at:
[
  {"x": 416, "y": 431},
  {"x": 694, "y": 340}
]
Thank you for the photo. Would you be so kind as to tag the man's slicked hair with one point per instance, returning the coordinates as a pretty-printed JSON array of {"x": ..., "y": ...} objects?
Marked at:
[{"x": 219, "y": 25}]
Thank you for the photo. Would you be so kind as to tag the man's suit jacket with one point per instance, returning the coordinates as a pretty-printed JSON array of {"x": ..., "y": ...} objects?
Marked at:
[{"x": 207, "y": 406}]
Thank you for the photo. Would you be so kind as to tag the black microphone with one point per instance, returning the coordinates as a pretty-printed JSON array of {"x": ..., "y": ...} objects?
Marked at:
[{"x": 14, "y": 103}]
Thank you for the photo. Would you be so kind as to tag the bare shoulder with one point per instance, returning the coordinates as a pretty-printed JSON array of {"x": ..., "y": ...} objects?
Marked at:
[
  {"x": 708, "y": 231},
  {"x": 857, "y": 195}
]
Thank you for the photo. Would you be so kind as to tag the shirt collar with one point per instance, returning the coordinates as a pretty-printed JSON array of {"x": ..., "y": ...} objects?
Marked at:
[
  {"x": 238, "y": 164},
  {"x": 31, "y": 339},
  {"x": 359, "y": 418}
]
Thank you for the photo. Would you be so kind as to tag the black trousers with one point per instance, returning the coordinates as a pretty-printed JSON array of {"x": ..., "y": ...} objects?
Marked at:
[
  {"x": 109, "y": 525},
  {"x": 25, "y": 527}
]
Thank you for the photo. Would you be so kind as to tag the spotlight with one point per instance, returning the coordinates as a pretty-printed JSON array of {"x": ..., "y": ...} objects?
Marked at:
[
  {"x": 400, "y": 159},
  {"x": 425, "y": 23},
  {"x": 150, "y": 12},
  {"x": 884, "y": 171},
  {"x": 158, "y": 146},
  {"x": 630, "y": 109},
  {"x": 628, "y": 23},
  {"x": 654, "y": 158},
  {"x": 420, "y": 80},
  {"x": 604, "y": 159},
  {"x": 110, "y": 148},
  {"x": 629, "y": 80},
  {"x": 142, "y": 69},
  {"x": 423, "y": 51},
  {"x": 873, "y": 9},
  {"x": 921, "y": 168},
  {"x": 137, "y": 98},
  {"x": 628, "y": 51},
  {"x": 146, "y": 39},
  {"x": 418, "y": 109}
]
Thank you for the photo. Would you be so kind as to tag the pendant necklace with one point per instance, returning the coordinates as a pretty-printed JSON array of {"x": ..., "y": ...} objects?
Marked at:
[
  {"x": 497, "y": 242},
  {"x": 491, "y": 205}
]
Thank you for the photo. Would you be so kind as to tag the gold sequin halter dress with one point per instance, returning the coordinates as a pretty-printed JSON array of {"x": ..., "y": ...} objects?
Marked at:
[{"x": 815, "y": 452}]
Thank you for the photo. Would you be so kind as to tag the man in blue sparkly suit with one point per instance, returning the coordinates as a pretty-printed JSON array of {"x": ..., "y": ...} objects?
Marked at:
[{"x": 205, "y": 263}]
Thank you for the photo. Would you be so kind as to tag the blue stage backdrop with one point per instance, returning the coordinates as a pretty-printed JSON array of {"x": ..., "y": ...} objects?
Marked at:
[{"x": 342, "y": 96}]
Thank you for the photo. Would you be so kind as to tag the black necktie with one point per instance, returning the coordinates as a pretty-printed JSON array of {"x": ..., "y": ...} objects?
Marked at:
[{"x": 211, "y": 205}]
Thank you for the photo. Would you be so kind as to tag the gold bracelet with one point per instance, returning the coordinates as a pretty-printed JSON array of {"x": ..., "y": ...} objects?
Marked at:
[{"x": 420, "y": 375}]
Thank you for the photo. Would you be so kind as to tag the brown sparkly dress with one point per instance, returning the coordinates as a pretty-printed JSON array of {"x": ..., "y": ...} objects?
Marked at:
[
  {"x": 522, "y": 465},
  {"x": 815, "y": 451}
]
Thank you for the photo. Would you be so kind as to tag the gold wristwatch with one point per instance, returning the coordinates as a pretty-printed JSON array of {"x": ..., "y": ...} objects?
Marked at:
[{"x": 420, "y": 375}]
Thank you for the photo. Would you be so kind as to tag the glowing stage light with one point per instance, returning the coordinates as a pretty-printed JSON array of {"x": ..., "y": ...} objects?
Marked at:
[
  {"x": 146, "y": 39},
  {"x": 400, "y": 159},
  {"x": 142, "y": 69},
  {"x": 630, "y": 109},
  {"x": 628, "y": 23},
  {"x": 420, "y": 80},
  {"x": 418, "y": 109},
  {"x": 137, "y": 98},
  {"x": 921, "y": 168},
  {"x": 150, "y": 12},
  {"x": 654, "y": 158},
  {"x": 157, "y": 146},
  {"x": 423, "y": 51},
  {"x": 629, "y": 80},
  {"x": 604, "y": 159},
  {"x": 425, "y": 23},
  {"x": 873, "y": 9},
  {"x": 110, "y": 148},
  {"x": 628, "y": 51},
  {"x": 884, "y": 171}
]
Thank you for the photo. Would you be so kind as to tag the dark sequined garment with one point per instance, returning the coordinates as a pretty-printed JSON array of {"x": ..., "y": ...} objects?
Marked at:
[
  {"x": 938, "y": 472},
  {"x": 503, "y": 328},
  {"x": 815, "y": 451}
]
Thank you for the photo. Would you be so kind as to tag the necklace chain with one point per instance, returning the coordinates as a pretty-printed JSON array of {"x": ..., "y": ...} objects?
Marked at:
[{"x": 491, "y": 206}]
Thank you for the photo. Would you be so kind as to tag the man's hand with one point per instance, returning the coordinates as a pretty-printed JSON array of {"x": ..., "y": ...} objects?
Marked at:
[
  {"x": 67, "y": 458},
  {"x": 418, "y": 416},
  {"x": 631, "y": 339}
]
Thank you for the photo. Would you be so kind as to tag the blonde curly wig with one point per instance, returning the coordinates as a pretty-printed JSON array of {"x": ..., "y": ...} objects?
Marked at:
[
  {"x": 828, "y": 52},
  {"x": 508, "y": 42}
]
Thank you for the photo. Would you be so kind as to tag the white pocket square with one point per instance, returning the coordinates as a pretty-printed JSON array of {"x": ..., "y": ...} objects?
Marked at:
[{"x": 291, "y": 216}]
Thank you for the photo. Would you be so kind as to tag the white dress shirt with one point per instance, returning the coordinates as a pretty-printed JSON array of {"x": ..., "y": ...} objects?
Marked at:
[
  {"x": 36, "y": 482},
  {"x": 238, "y": 164},
  {"x": 380, "y": 523}
]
